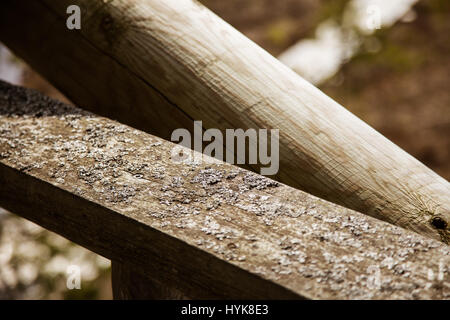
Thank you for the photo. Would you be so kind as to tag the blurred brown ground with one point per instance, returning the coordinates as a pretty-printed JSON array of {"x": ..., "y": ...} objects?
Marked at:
[{"x": 403, "y": 91}]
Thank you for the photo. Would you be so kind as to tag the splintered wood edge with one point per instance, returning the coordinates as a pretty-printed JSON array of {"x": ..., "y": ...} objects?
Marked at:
[{"x": 210, "y": 229}]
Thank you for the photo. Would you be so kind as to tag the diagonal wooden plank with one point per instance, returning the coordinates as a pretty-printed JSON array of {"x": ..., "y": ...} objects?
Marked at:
[
  {"x": 209, "y": 230},
  {"x": 157, "y": 65}
]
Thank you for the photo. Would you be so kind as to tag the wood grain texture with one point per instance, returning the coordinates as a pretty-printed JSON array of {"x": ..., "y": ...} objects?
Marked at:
[
  {"x": 158, "y": 64},
  {"x": 208, "y": 230}
]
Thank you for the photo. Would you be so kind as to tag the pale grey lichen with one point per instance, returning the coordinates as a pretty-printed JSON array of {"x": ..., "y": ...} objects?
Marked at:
[{"x": 308, "y": 245}]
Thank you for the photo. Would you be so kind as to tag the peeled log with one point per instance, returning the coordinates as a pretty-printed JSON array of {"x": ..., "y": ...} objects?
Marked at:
[{"x": 158, "y": 65}]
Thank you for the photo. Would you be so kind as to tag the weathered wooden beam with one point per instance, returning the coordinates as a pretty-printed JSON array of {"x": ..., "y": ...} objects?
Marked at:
[
  {"x": 158, "y": 64},
  {"x": 208, "y": 230}
]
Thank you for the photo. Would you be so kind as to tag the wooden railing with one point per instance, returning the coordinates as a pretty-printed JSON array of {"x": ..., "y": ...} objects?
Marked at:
[
  {"x": 158, "y": 65},
  {"x": 211, "y": 230}
]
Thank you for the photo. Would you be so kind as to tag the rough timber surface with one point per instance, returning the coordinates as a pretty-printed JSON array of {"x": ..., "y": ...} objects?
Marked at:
[
  {"x": 159, "y": 64},
  {"x": 209, "y": 230}
]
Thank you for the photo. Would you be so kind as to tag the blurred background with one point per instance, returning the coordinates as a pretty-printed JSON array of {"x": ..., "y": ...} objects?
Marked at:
[{"x": 388, "y": 62}]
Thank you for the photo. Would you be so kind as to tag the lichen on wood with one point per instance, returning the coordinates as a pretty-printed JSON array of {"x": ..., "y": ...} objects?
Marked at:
[{"x": 210, "y": 229}]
